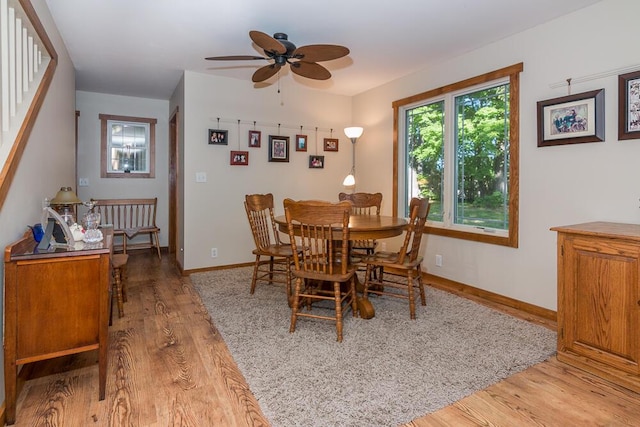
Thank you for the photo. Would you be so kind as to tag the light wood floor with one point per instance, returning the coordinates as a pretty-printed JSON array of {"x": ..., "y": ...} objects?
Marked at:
[{"x": 168, "y": 366}]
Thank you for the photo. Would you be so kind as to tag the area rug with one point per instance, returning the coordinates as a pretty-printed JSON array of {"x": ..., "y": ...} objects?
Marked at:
[{"x": 387, "y": 371}]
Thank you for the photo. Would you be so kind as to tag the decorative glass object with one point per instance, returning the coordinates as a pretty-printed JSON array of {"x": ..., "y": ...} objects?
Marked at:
[{"x": 90, "y": 222}]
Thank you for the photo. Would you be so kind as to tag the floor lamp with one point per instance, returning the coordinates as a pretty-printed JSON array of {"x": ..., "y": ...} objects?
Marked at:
[{"x": 352, "y": 133}]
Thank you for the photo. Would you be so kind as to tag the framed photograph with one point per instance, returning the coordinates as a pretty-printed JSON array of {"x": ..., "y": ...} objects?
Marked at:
[
  {"x": 331, "y": 144},
  {"x": 278, "y": 148},
  {"x": 301, "y": 142},
  {"x": 629, "y": 105},
  {"x": 218, "y": 136},
  {"x": 571, "y": 119},
  {"x": 316, "y": 162},
  {"x": 239, "y": 158},
  {"x": 254, "y": 138}
]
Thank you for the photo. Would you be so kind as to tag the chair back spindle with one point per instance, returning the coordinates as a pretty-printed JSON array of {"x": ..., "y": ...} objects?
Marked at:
[{"x": 419, "y": 210}]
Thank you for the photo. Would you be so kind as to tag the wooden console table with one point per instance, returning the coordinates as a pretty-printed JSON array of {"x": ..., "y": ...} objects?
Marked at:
[
  {"x": 56, "y": 304},
  {"x": 599, "y": 299}
]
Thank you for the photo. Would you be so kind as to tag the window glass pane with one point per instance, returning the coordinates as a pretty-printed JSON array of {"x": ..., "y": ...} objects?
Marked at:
[
  {"x": 482, "y": 161},
  {"x": 128, "y": 147},
  {"x": 425, "y": 156}
]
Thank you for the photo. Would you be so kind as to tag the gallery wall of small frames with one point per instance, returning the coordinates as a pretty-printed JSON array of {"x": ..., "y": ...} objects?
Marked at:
[{"x": 252, "y": 134}]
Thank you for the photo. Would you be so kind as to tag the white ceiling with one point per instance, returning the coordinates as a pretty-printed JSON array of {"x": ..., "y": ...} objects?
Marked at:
[{"x": 141, "y": 47}]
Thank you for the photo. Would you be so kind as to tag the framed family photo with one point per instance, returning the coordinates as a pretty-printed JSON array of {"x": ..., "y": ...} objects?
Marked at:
[
  {"x": 278, "y": 148},
  {"x": 218, "y": 136},
  {"x": 239, "y": 158},
  {"x": 331, "y": 144},
  {"x": 254, "y": 138},
  {"x": 301, "y": 142},
  {"x": 316, "y": 162},
  {"x": 571, "y": 119},
  {"x": 629, "y": 105}
]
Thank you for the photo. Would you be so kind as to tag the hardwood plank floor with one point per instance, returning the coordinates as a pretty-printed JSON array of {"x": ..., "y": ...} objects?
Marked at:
[{"x": 168, "y": 365}]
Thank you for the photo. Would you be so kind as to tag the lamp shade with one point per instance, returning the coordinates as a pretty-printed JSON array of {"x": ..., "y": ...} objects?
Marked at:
[
  {"x": 353, "y": 132},
  {"x": 349, "y": 181},
  {"x": 66, "y": 196}
]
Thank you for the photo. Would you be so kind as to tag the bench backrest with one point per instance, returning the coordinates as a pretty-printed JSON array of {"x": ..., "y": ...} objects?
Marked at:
[{"x": 127, "y": 213}]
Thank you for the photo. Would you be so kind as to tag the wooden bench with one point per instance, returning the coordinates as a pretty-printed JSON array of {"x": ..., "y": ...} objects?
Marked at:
[{"x": 130, "y": 217}]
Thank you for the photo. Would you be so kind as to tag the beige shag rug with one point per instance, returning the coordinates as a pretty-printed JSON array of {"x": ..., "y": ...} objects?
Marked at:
[{"x": 387, "y": 371}]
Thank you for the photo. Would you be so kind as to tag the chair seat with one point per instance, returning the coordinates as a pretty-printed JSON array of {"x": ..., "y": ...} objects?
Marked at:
[
  {"x": 118, "y": 260},
  {"x": 390, "y": 259},
  {"x": 274, "y": 250},
  {"x": 328, "y": 277}
]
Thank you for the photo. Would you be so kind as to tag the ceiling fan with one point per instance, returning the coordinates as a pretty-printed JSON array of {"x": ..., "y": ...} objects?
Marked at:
[{"x": 303, "y": 60}]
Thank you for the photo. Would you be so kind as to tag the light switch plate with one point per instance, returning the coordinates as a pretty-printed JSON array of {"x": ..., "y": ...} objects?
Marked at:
[{"x": 201, "y": 177}]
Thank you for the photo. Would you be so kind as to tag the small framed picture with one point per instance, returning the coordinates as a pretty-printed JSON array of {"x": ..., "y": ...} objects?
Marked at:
[
  {"x": 571, "y": 119},
  {"x": 218, "y": 136},
  {"x": 254, "y": 138},
  {"x": 278, "y": 148},
  {"x": 316, "y": 162},
  {"x": 331, "y": 144},
  {"x": 629, "y": 105},
  {"x": 301, "y": 142},
  {"x": 239, "y": 158}
]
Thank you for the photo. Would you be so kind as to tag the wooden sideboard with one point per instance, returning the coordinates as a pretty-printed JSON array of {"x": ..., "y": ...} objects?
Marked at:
[
  {"x": 599, "y": 300},
  {"x": 56, "y": 304}
]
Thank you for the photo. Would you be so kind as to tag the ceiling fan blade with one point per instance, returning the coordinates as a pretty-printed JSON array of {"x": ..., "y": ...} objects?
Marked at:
[
  {"x": 233, "y": 57},
  {"x": 263, "y": 73},
  {"x": 320, "y": 52},
  {"x": 266, "y": 42},
  {"x": 310, "y": 70}
]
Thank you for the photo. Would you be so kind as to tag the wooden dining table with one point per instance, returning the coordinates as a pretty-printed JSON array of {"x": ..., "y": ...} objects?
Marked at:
[{"x": 363, "y": 227}]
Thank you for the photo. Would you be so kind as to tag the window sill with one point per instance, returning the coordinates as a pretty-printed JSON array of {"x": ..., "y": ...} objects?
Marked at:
[{"x": 480, "y": 236}]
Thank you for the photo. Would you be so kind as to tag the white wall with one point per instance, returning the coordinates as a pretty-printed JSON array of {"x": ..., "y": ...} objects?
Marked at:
[
  {"x": 213, "y": 211},
  {"x": 90, "y": 106},
  {"x": 559, "y": 185},
  {"x": 48, "y": 160}
]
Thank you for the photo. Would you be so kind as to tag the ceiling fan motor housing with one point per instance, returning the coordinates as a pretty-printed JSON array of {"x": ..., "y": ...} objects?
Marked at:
[{"x": 283, "y": 38}]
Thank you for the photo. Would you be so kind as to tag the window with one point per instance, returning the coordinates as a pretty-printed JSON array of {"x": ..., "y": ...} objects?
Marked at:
[
  {"x": 127, "y": 147},
  {"x": 459, "y": 145}
]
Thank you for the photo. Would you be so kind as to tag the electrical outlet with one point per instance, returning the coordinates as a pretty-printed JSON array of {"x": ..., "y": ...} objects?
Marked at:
[
  {"x": 438, "y": 260},
  {"x": 214, "y": 252},
  {"x": 201, "y": 177}
]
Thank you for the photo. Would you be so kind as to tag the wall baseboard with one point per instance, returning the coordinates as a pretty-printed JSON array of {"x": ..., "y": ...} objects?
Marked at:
[{"x": 543, "y": 316}]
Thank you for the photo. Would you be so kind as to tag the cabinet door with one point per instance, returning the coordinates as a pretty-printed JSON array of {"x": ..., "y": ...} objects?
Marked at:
[
  {"x": 600, "y": 300},
  {"x": 57, "y": 306}
]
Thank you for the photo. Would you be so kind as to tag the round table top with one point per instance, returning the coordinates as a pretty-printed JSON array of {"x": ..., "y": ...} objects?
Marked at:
[{"x": 362, "y": 227}]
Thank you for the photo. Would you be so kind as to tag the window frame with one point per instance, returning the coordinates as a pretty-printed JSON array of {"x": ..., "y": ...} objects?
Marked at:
[
  {"x": 104, "y": 146},
  {"x": 459, "y": 231}
]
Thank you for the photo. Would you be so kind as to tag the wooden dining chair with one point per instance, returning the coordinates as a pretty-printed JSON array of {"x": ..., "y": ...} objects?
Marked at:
[
  {"x": 404, "y": 263},
  {"x": 363, "y": 204},
  {"x": 276, "y": 268},
  {"x": 323, "y": 273}
]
